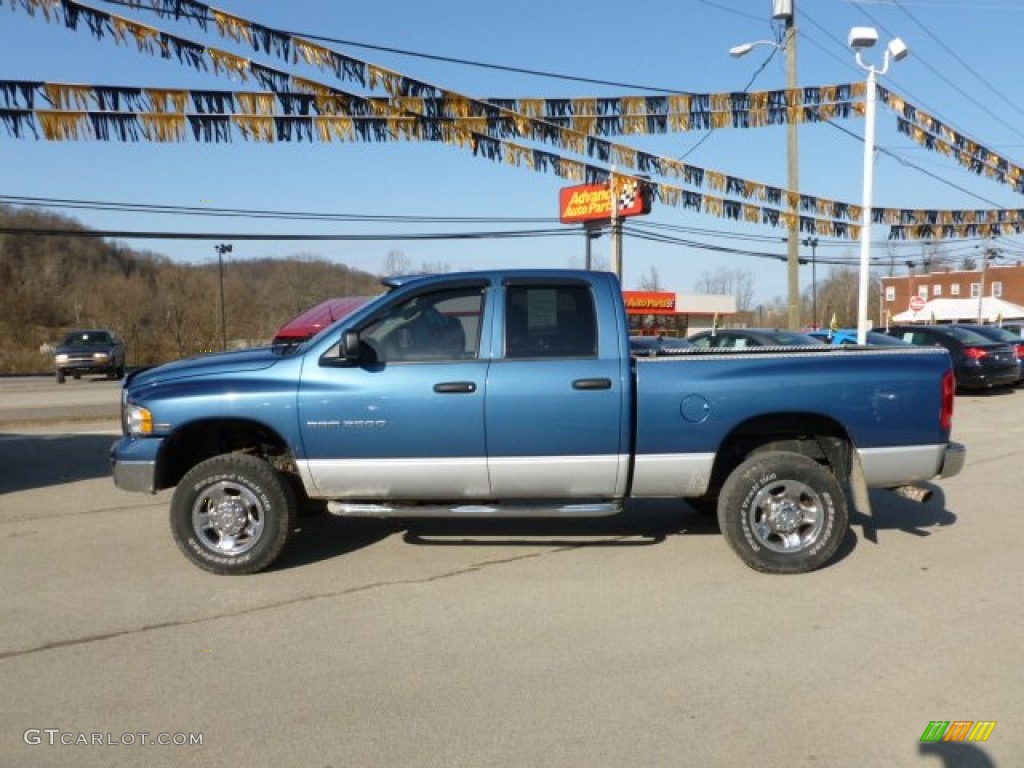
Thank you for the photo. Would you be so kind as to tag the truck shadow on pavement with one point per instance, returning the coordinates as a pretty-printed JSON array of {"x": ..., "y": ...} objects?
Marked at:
[
  {"x": 41, "y": 461},
  {"x": 890, "y": 512},
  {"x": 643, "y": 523}
]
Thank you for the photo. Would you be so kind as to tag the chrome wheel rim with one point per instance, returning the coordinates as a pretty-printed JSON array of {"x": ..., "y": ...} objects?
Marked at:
[
  {"x": 786, "y": 516},
  {"x": 228, "y": 518}
]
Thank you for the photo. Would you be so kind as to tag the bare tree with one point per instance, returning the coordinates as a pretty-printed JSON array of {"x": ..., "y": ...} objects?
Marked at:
[
  {"x": 435, "y": 267},
  {"x": 731, "y": 282},
  {"x": 651, "y": 281},
  {"x": 838, "y": 297},
  {"x": 397, "y": 263}
]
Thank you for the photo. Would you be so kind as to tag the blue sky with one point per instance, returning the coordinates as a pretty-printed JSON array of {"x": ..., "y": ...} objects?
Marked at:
[{"x": 962, "y": 69}]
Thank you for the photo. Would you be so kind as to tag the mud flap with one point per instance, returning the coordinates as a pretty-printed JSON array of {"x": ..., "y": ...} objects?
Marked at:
[{"x": 859, "y": 496}]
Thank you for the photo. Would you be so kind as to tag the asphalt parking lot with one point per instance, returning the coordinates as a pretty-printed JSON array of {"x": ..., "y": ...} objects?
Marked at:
[{"x": 638, "y": 640}]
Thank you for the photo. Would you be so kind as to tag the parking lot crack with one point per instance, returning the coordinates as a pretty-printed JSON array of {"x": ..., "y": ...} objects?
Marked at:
[{"x": 155, "y": 627}]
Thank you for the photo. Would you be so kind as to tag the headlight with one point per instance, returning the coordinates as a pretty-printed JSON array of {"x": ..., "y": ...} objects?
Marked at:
[
  {"x": 139, "y": 420},
  {"x": 61, "y": 358},
  {"x": 100, "y": 356}
]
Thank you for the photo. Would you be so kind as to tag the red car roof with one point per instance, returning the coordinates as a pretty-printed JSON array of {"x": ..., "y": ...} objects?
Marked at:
[{"x": 315, "y": 319}]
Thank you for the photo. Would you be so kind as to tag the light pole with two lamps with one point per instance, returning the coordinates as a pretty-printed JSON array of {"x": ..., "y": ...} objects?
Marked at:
[{"x": 862, "y": 38}]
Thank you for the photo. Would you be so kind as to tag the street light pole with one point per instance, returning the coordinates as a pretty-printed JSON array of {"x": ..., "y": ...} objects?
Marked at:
[
  {"x": 221, "y": 249},
  {"x": 860, "y": 39}
]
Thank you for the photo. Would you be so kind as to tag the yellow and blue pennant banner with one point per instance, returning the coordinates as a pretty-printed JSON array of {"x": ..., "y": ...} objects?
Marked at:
[{"x": 300, "y": 109}]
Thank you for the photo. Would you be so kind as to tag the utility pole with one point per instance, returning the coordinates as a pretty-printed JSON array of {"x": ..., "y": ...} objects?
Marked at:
[
  {"x": 990, "y": 253},
  {"x": 616, "y": 229}
]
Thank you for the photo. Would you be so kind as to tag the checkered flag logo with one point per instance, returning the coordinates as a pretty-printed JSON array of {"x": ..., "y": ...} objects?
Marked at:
[{"x": 627, "y": 195}]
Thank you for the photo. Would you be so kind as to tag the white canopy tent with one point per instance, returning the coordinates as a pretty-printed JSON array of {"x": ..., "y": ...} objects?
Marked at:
[{"x": 993, "y": 310}]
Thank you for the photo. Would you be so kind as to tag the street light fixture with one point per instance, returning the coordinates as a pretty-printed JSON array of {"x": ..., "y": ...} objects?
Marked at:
[
  {"x": 862, "y": 38},
  {"x": 221, "y": 250},
  {"x": 783, "y": 10},
  {"x": 738, "y": 51}
]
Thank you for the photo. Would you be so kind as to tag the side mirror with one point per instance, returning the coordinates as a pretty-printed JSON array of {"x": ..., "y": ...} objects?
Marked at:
[{"x": 350, "y": 346}]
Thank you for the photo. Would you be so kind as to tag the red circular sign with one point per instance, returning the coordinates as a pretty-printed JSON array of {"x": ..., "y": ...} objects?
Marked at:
[{"x": 916, "y": 303}]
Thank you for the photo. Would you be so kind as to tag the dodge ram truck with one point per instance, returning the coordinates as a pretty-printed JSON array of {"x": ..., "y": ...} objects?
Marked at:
[{"x": 513, "y": 393}]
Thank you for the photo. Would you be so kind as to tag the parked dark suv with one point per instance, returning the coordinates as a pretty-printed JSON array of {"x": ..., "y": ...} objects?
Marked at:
[
  {"x": 978, "y": 362},
  {"x": 90, "y": 352}
]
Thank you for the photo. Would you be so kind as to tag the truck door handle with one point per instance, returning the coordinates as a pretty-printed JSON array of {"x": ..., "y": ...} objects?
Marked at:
[
  {"x": 592, "y": 384},
  {"x": 455, "y": 387}
]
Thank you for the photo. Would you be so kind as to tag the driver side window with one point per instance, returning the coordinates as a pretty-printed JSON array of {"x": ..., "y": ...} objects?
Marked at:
[{"x": 438, "y": 326}]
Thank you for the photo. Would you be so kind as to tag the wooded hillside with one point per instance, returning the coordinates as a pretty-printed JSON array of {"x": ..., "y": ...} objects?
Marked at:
[{"x": 52, "y": 284}]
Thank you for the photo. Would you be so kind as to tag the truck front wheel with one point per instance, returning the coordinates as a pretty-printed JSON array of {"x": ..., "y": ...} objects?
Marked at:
[
  {"x": 232, "y": 514},
  {"x": 783, "y": 513}
]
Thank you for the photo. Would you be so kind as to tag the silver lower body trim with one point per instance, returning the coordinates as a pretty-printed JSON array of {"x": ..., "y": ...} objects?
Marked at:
[
  {"x": 441, "y": 478},
  {"x": 513, "y": 477},
  {"x": 680, "y": 475}
]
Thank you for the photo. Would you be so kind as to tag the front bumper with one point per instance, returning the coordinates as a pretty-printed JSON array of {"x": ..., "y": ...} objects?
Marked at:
[
  {"x": 83, "y": 367},
  {"x": 134, "y": 463}
]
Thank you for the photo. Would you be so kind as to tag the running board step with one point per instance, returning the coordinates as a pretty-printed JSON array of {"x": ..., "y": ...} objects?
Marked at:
[{"x": 517, "y": 509}]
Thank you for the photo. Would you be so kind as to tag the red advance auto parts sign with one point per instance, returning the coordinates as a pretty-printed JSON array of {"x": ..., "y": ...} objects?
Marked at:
[{"x": 593, "y": 202}]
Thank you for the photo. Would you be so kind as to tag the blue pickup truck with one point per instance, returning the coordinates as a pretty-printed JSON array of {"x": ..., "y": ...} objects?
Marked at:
[{"x": 513, "y": 393}]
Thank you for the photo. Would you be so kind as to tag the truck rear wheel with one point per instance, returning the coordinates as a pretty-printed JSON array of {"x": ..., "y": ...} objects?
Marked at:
[
  {"x": 232, "y": 514},
  {"x": 783, "y": 513}
]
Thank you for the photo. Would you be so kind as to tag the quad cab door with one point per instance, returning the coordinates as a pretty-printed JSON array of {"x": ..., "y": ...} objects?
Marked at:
[
  {"x": 405, "y": 420},
  {"x": 556, "y": 397}
]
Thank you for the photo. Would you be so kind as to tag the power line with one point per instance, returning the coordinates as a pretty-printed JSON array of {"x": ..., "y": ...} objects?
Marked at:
[
  {"x": 944, "y": 79},
  {"x": 907, "y": 163},
  {"x": 417, "y": 54},
  {"x": 733, "y": 11},
  {"x": 106, "y": 205},
  {"x": 959, "y": 60},
  {"x": 150, "y": 235}
]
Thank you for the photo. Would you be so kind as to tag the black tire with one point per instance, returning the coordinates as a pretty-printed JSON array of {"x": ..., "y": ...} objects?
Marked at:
[
  {"x": 60, "y": 377},
  {"x": 119, "y": 372},
  {"x": 232, "y": 514},
  {"x": 783, "y": 513}
]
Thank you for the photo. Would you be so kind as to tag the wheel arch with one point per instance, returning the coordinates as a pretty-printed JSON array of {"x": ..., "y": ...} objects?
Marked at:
[
  {"x": 809, "y": 434},
  {"x": 200, "y": 440}
]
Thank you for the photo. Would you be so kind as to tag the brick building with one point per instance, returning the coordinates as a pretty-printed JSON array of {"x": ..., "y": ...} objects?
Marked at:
[{"x": 999, "y": 281}]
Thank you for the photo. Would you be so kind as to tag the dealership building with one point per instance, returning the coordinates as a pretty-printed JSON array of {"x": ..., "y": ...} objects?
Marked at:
[{"x": 993, "y": 294}]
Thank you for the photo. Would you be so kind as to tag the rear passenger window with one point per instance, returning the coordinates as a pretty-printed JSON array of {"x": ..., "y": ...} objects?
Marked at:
[{"x": 550, "y": 321}]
